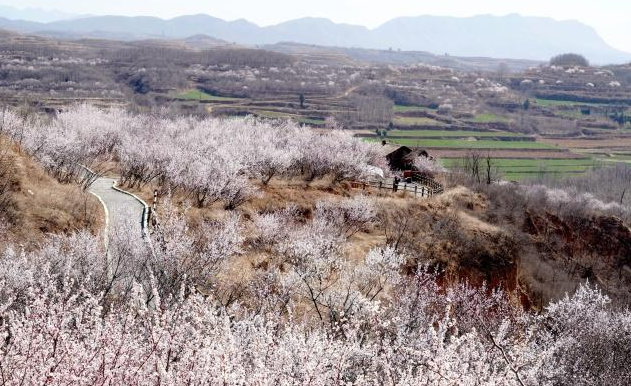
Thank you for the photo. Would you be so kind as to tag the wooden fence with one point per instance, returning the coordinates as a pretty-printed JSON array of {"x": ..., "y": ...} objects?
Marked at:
[{"x": 424, "y": 188}]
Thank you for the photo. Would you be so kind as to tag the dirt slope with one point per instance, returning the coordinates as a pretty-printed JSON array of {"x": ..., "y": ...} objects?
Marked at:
[{"x": 32, "y": 203}]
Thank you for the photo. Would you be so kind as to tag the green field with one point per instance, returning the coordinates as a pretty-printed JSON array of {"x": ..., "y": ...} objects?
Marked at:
[
  {"x": 451, "y": 133},
  {"x": 622, "y": 158},
  {"x": 489, "y": 118},
  {"x": 527, "y": 162},
  {"x": 197, "y": 95},
  {"x": 553, "y": 103},
  {"x": 575, "y": 114},
  {"x": 273, "y": 114},
  {"x": 406, "y": 109},
  {"x": 416, "y": 121},
  {"x": 517, "y": 169},
  {"x": 464, "y": 144}
]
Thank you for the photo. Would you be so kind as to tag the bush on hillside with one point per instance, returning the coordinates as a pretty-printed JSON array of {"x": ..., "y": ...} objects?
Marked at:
[{"x": 569, "y": 60}]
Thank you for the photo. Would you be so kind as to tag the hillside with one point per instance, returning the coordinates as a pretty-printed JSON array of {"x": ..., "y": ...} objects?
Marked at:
[
  {"x": 435, "y": 201},
  {"x": 270, "y": 240},
  {"x": 33, "y": 203},
  {"x": 284, "y": 184},
  {"x": 402, "y": 58},
  {"x": 512, "y": 36}
]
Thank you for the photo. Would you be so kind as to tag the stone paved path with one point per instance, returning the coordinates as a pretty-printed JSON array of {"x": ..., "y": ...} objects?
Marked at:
[{"x": 121, "y": 207}]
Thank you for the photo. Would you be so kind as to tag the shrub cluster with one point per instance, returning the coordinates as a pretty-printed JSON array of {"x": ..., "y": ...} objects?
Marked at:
[
  {"x": 209, "y": 159},
  {"x": 72, "y": 315}
]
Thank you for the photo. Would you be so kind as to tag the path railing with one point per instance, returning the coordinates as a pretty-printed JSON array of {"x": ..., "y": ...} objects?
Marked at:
[
  {"x": 423, "y": 187},
  {"x": 144, "y": 220}
]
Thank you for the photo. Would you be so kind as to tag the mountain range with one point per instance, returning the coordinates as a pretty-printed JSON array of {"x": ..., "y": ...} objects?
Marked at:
[
  {"x": 511, "y": 36},
  {"x": 34, "y": 14}
]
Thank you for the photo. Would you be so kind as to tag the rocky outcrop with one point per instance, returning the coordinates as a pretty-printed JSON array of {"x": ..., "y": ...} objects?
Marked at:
[{"x": 605, "y": 238}]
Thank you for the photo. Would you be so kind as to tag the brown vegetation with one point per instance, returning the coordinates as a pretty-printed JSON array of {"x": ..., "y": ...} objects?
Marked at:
[
  {"x": 486, "y": 236},
  {"x": 32, "y": 203}
]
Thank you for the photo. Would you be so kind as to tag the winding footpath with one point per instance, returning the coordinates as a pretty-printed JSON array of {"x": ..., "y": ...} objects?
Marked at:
[{"x": 119, "y": 206}]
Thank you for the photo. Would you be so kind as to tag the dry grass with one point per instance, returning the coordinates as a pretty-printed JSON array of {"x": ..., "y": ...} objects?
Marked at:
[
  {"x": 276, "y": 196},
  {"x": 452, "y": 231},
  {"x": 41, "y": 205},
  {"x": 460, "y": 232}
]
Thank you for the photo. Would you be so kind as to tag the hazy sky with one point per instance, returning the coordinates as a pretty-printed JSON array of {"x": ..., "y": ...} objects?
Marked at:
[{"x": 611, "y": 18}]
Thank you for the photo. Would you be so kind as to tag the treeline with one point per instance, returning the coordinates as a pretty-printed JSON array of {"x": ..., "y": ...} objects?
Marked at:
[
  {"x": 212, "y": 160},
  {"x": 185, "y": 57}
]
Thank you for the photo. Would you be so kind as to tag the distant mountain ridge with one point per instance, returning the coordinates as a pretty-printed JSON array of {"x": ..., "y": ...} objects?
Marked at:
[
  {"x": 512, "y": 36},
  {"x": 33, "y": 14}
]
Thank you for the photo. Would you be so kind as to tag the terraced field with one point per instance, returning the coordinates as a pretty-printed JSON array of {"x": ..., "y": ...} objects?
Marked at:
[
  {"x": 197, "y": 95},
  {"x": 416, "y": 121},
  {"x": 571, "y": 113},
  {"x": 453, "y": 133},
  {"x": 273, "y": 114},
  {"x": 523, "y": 168},
  {"x": 516, "y": 156},
  {"x": 599, "y": 144},
  {"x": 297, "y": 118},
  {"x": 467, "y": 144},
  {"x": 311, "y": 121},
  {"x": 554, "y": 103},
  {"x": 489, "y": 118},
  {"x": 625, "y": 158},
  {"x": 407, "y": 109}
]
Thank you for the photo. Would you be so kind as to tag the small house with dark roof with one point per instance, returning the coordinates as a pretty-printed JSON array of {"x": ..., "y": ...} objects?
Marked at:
[{"x": 402, "y": 158}]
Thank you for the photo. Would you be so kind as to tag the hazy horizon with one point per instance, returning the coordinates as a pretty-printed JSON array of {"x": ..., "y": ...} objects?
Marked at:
[{"x": 608, "y": 19}]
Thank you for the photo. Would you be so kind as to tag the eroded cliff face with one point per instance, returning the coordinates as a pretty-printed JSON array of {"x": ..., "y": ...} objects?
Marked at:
[
  {"x": 450, "y": 233},
  {"x": 596, "y": 248},
  {"x": 607, "y": 237},
  {"x": 535, "y": 254}
]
